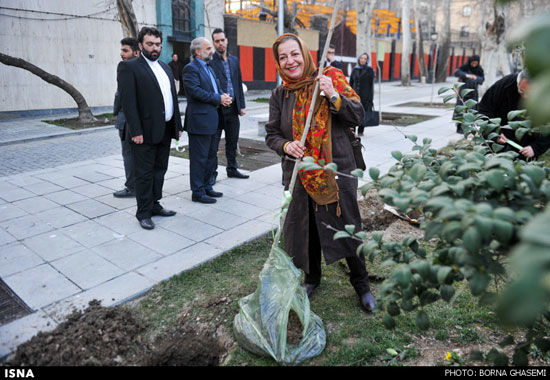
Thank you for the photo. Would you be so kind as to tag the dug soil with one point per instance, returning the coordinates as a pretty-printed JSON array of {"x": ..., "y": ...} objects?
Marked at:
[{"x": 72, "y": 123}]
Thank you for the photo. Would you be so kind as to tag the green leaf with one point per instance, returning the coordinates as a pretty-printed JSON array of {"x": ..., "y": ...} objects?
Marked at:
[
  {"x": 417, "y": 172},
  {"x": 513, "y": 114},
  {"x": 374, "y": 173},
  {"x": 413, "y": 138},
  {"x": 520, "y": 132},
  {"x": 403, "y": 276},
  {"x": 520, "y": 358},
  {"x": 331, "y": 167},
  {"x": 422, "y": 267},
  {"x": 422, "y": 320},
  {"x": 479, "y": 282},
  {"x": 357, "y": 173},
  {"x": 452, "y": 231},
  {"x": 536, "y": 173},
  {"x": 443, "y": 274},
  {"x": 340, "y": 235},
  {"x": 476, "y": 356},
  {"x": 392, "y": 352},
  {"x": 427, "y": 298},
  {"x": 442, "y": 90},
  {"x": 496, "y": 179},
  {"x": 508, "y": 341},
  {"x": 503, "y": 230},
  {"x": 397, "y": 155},
  {"x": 447, "y": 292},
  {"x": 377, "y": 236},
  {"x": 471, "y": 240},
  {"x": 465, "y": 92},
  {"x": 393, "y": 309},
  {"x": 350, "y": 228},
  {"x": 432, "y": 229},
  {"x": 484, "y": 225}
]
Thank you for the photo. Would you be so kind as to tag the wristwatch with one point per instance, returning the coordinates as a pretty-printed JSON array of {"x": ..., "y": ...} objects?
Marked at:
[{"x": 334, "y": 98}]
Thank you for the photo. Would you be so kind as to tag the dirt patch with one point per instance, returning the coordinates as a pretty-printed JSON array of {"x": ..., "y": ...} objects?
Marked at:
[
  {"x": 294, "y": 329},
  {"x": 112, "y": 336},
  {"x": 72, "y": 123},
  {"x": 375, "y": 218}
]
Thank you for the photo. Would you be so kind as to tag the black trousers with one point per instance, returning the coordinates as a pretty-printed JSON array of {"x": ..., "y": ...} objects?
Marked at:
[
  {"x": 230, "y": 123},
  {"x": 150, "y": 165},
  {"x": 359, "y": 277},
  {"x": 202, "y": 162},
  {"x": 128, "y": 160}
]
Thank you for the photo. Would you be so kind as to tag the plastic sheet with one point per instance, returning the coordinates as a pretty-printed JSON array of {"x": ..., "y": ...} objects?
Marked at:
[{"x": 261, "y": 324}]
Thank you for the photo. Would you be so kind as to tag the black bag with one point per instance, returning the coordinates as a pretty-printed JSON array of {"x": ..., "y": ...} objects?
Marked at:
[
  {"x": 357, "y": 147},
  {"x": 372, "y": 118}
]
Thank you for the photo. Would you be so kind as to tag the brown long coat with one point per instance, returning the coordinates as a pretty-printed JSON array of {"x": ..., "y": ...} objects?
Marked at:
[{"x": 296, "y": 228}]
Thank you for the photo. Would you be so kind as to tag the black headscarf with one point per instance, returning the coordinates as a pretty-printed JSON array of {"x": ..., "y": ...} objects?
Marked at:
[{"x": 468, "y": 68}]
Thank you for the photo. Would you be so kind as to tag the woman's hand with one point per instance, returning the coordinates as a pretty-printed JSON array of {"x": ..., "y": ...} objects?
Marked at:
[
  {"x": 295, "y": 149},
  {"x": 325, "y": 84},
  {"x": 502, "y": 139}
]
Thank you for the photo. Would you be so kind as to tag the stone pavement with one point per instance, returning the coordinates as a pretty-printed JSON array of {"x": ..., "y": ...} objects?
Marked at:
[{"x": 65, "y": 240}]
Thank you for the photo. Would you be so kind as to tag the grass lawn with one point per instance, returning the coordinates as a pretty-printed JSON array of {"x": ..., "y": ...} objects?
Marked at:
[{"x": 210, "y": 294}]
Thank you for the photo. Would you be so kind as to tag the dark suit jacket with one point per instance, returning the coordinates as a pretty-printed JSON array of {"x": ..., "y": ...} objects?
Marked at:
[
  {"x": 236, "y": 77},
  {"x": 142, "y": 101},
  {"x": 117, "y": 111},
  {"x": 201, "y": 114}
]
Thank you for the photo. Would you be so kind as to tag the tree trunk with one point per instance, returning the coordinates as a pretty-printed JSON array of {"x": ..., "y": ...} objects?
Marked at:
[
  {"x": 364, "y": 9},
  {"x": 445, "y": 46},
  {"x": 406, "y": 51},
  {"x": 127, "y": 18},
  {"x": 419, "y": 42},
  {"x": 84, "y": 112}
]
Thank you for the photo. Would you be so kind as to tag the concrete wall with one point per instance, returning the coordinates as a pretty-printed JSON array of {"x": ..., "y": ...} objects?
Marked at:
[{"x": 82, "y": 51}]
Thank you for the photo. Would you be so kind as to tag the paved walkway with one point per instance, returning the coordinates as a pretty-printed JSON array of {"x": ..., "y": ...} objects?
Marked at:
[{"x": 65, "y": 240}]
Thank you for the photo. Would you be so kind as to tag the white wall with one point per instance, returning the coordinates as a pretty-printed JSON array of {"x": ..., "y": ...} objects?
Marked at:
[{"x": 84, "y": 52}]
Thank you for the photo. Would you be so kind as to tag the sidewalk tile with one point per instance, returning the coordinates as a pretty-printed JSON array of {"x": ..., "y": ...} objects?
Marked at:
[
  {"x": 89, "y": 233},
  {"x": 61, "y": 217},
  {"x": 237, "y": 207},
  {"x": 121, "y": 222},
  {"x": 87, "y": 269},
  {"x": 53, "y": 245},
  {"x": 26, "y": 226},
  {"x": 91, "y": 208},
  {"x": 160, "y": 240},
  {"x": 9, "y": 211},
  {"x": 215, "y": 216},
  {"x": 117, "y": 203},
  {"x": 126, "y": 254},
  {"x": 16, "y": 194},
  {"x": 65, "y": 197},
  {"x": 189, "y": 227},
  {"x": 69, "y": 182},
  {"x": 6, "y": 238},
  {"x": 35, "y": 204},
  {"x": 47, "y": 286},
  {"x": 240, "y": 234},
  {"x": 92, "y": 190},
  {"x": 16, "y": 258},
  {"x": 43, "y": 188}
]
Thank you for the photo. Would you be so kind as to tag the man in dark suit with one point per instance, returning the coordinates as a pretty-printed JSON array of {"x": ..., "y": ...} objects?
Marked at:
[
  {"x": 228, "y": 71},
  {"x": 150, "y": 103},
  {"x": 204, "y": 97},
  {"x": 129, "y": 49},
  {"x": 331, "y": 58}
]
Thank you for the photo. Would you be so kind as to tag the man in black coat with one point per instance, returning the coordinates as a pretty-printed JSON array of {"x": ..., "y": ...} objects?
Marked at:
[
  {"x": 505, "y": 96},
  {"x": 150, "y": 103},
  {"x": 129, "y": 49},
  {"x": 331, "y": 58},
  {"x": 228, "y": 72}
]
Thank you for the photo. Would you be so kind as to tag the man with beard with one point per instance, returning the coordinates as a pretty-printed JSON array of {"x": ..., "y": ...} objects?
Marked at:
[
  {"x": 228, "y": 72},
  {"x": 129, "y": 49},
  {"x": 204, "y": 96},
  {"x": 150, "y": 103}
]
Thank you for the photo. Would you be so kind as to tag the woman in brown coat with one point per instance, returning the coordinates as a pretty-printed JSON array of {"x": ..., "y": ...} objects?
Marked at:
[{"x": 320, "y": 197}]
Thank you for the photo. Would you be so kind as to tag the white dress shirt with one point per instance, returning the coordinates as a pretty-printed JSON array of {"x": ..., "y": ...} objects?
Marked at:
[{"x": 165, "y": 88}]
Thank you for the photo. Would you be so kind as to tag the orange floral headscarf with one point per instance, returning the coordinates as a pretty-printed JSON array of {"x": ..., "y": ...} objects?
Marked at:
[{"x": 319, "y": 184}]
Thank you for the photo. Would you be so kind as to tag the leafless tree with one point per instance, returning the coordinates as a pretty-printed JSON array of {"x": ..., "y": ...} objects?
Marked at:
[
  {"x": 419, "y": 42},
  {"x": 364, "y": 9},
  {"x": 84, "y": 112},
  {"x": 445, "y": 45},
  {"x": 406, "y": 50},
  {"x": 127, "y": 18}
]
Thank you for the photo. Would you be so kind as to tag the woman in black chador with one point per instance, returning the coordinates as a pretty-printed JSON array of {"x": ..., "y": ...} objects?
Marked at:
[
  {"x": 362, "y": 81},
  {"x": 471, "y": 74}
]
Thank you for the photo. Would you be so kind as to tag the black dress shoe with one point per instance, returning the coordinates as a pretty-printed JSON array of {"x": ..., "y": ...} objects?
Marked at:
[
  {"x": 214, "y": 194},
  {"x": 203, "y": 199},
  {"x": 163, "y": 212},
  {"x": 147, "y": 224},
  {"x": 367, "y": 302},
  {"x": 124, "y": 193},
  {"x": 309, "y": 288},
  {"x": 237, "y": 174}
]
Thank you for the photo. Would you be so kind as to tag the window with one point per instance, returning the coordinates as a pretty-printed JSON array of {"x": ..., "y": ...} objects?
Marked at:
[
  {"x": 467, "y": 11},
  {"x": 464, "y": 31},
  {"x": 181, "y": 16}
]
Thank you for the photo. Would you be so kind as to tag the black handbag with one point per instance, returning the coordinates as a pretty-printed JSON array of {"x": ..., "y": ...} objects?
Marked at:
[
  {"x": 357, "y": 148},
  {"x": 372, "y": 118}
]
